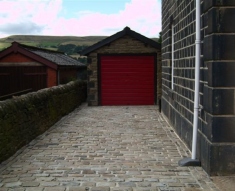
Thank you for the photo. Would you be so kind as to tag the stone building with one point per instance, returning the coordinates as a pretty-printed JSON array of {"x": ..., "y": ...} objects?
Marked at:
[
  {"x": 216, "y": 129},
  {"x": 124, "y": 69}
]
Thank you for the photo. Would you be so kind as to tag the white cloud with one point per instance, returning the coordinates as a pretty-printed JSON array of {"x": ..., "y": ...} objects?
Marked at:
[
  {"x": 28, "y": 28},
  {"x": 27, "y": 17},
  {"x": 42, "y": 18}
]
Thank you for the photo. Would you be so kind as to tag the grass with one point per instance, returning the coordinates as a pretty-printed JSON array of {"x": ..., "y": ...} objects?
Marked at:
[{"x": 4, "y": 45}]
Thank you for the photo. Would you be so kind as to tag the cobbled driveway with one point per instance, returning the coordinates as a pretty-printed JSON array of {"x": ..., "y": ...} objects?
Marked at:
[{"x": 129, "y": 148}]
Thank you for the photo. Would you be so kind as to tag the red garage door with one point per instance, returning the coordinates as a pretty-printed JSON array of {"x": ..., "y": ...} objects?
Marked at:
[{"x": 127, "y": 80}]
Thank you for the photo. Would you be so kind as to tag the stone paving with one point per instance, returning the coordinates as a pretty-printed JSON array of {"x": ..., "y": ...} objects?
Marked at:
[{"x": 129, "y": 148}]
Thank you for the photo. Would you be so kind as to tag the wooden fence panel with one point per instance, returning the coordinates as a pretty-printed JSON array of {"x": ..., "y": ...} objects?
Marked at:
[{"x": 14, "y": 79}]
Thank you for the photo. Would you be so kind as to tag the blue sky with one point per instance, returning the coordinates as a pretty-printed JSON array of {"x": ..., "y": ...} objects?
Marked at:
[
  {"x": 71, "y": 7},
  {"x": 79, "y": 17}
]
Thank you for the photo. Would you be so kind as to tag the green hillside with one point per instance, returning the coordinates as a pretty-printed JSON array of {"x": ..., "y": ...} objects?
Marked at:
[
  {"x": 50, "y": 42},
  {"x": 68, "y": 44}
]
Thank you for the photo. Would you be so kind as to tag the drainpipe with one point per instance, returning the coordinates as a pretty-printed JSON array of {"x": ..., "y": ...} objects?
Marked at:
[
  {"x": 197, "y": 77},
  {"x": 172, "y": 57},
  {"x": 193, "y": 161}
]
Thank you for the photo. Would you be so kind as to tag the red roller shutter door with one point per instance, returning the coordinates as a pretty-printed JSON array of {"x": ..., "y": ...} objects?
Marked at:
[{"x": 127, "y": 80}]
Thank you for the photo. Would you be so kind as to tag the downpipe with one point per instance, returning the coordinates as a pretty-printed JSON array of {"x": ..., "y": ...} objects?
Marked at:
[{"x": 193, "y": 161}]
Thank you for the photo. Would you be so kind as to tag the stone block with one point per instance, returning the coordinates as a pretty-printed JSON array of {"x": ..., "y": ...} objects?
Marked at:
[
  {"x": 221, "y": 74},
  {"x": 219, "y": 101},
  {"x": 207, "y": 4},
  {"x": 219, "y": 20},
  {"x": 225, "y": 157},
  {"x": 30, "y": 184},
  {"x": 223, "y": 129},
  {"x": 91, "y": 84},
  {"x": 219, "y": 47},
  {"x": 217, "y": 159}
]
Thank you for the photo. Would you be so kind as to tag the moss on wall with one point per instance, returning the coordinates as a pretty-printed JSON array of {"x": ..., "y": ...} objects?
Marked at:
[{"x": 25, "y": 117}]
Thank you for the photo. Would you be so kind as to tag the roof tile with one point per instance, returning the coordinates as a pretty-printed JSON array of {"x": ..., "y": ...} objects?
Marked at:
[{"x": 56, "y": 57}]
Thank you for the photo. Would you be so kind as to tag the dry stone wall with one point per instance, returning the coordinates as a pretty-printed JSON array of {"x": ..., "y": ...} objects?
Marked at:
[{"x": 25, "y": 117}]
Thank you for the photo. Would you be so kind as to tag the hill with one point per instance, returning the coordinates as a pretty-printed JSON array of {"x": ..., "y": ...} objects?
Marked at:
[
  {"x": 68, "y": 44},
  {"x": 50, "y": 42}
]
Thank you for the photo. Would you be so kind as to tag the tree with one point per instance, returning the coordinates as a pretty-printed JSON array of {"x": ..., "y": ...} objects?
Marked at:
[
  {"x": 160, "y": 37},
  {"x": 67, "y": 48}
]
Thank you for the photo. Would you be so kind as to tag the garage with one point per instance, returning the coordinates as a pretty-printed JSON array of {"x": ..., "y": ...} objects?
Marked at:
[
  {"x": 124, "y": 69},
  {"x": 127, "y": 80}
]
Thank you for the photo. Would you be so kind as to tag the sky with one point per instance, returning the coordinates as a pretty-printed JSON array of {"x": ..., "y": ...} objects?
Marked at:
[{"x": 79, "y": 17}]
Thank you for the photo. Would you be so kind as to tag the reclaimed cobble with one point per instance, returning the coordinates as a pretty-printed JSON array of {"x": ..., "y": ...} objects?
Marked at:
[{"x": 128, "y": 148}]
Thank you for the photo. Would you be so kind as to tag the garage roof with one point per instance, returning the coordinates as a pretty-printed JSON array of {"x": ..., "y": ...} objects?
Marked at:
[
  {"x": 50, "y": 58},
  {"x": 125, "y": 31}
]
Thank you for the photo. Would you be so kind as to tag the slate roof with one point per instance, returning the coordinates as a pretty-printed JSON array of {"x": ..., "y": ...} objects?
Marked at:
[
  {"x": 125, "y": 31},
  {"x": 58, "y": 58},
  {"x": 50, "y": 58}
]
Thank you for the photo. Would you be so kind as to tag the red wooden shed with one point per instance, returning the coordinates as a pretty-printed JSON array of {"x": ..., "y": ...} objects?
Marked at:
[{"x": 25, "y": 68}]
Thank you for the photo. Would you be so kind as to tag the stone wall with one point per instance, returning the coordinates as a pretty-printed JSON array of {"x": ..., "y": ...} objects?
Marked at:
[
  {"x": 25, "y": 117},
  {"x": 216, "y": 129},
  {"x": 124, "y": 45}
]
